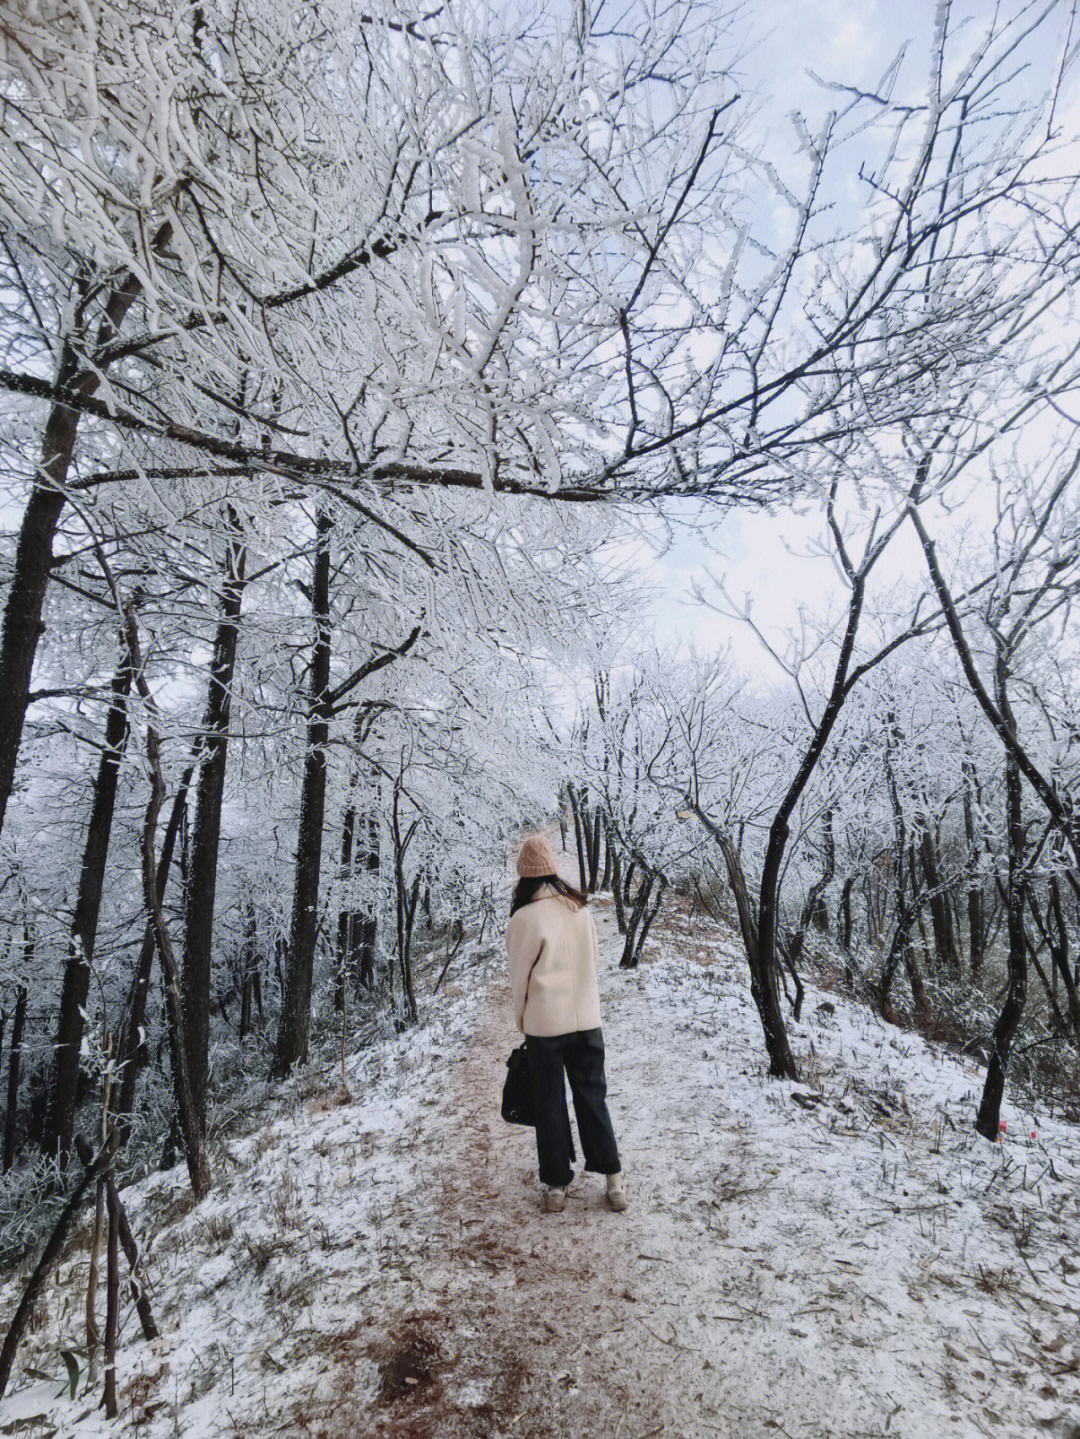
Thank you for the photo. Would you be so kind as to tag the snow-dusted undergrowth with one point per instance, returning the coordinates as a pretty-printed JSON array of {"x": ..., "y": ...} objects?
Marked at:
[{"x": 840, "y": 1257}]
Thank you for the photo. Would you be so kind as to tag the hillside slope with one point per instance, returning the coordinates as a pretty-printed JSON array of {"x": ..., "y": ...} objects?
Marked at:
[{"x": 842, "y": 1257}]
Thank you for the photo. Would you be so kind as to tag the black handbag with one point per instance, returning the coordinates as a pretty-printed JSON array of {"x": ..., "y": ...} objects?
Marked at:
[{"x": 517, "y": 1105}]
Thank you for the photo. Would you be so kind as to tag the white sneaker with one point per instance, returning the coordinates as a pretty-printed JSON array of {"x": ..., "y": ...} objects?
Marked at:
[
  {"x": 616, "y": 1193},
  {"x": 554, "y": 1199}
]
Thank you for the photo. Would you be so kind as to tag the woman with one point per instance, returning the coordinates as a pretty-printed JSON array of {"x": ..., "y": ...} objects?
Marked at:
[{"x": 551, "y": 945}]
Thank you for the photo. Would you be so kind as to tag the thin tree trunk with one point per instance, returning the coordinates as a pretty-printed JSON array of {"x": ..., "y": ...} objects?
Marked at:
[
  {"x": 646, "y": 921},
  {"x": 112, "y": 1303},
  {"x": 127, "y": 1243},
  {"x": 940, "y": 917},
  {"x": 575, "y": 807},
  {"x": 1059, "y": 950},
  {"x": 45, "y": 1266},
  {"x": 616, "y": 885},
  {"x": 132, "y": 1051},
  {"x": 1008, "y": 1021},
  {"x": 629, "y": 957},
  {"x": 344, "y": 925},
  {"x": 93, "y": 1333},
  {"x": 292, "y": 1041},
  {"x": 14, "y": 1065},
  {"x": 594, "y": 861},
  {"x": 197, "y": 982},
  {"x": 905, "y": 920},
  {"x": 187, "y": 1116},
  {"x": 249, "y": 972},
  {"x": 843, "y": 914},
  {"x": 69, "y": 1033},
  {"x": 408, "y": 914}
]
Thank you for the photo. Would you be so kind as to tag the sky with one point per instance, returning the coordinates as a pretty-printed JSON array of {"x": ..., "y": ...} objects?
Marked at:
[{"x": 770, "y": 557}]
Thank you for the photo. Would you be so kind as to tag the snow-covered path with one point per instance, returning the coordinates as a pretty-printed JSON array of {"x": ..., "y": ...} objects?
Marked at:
[
  {"x": 842, "y": 1265},
  {"x": 843, "y": 1258}
]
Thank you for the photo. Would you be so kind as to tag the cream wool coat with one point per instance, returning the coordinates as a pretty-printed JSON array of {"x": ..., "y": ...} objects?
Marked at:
[{"x": 552, "y": 949}]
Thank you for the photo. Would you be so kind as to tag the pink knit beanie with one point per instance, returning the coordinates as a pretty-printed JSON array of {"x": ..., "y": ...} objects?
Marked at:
[{"x": 536, "y": 857}]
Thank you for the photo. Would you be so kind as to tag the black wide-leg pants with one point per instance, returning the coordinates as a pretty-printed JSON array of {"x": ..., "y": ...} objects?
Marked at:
[{"x": 581, "y": 1057}]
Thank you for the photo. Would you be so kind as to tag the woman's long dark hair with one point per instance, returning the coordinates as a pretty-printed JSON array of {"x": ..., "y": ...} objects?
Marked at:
[{"x": 525, "y": 890}]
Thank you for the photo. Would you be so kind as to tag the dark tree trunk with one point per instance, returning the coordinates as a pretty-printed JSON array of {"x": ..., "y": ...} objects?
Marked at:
[
  {"x": 575, "y": 808},
  {"x": 405, "y": 903},
  {"x": 637, "y": 912},
  {"x": 641, "y": 917},
  {"x": 616, "y": 884},
  {"x": 764, "y": 976},
  {"x": 14, "y": 1065},
  {"x": 628, "y": 881},
  {"x": 187, "y": 1118},
  {"x": 367, "y": 922},
  {"x": 905, "y": 920},
  {"x": 22, "y": 627},
  {"x": 343, "y": 948},
  {"x": 843, "y": 924},
  {"x": 940, "y": 917},
  {"x": 815, "y": 911},
  {"x": 46, "y": 1265},
  {"x": 197, "y": 981},
  {"x": 843, "y": 913},
  {"x": 249, "y": 970},
  {"x": 870, "y": 909},
  {"x": 764, "y": 970},
  {"x": 127, "y": 1244},
  {"x": 1059, "y": 951},
  {"x": 406, "y": 914},
  {"x": 112, "y": 1301},
  {"x": 594, "y": 851},
  {"x": 76, "y": 987},
  {"x": 292, "y": 1041},
  {"x": 132, "y": 1051},
  {"x": 988, "y": 1117}
]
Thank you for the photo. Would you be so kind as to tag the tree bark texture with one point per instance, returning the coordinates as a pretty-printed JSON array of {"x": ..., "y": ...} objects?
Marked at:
[
  {"x": 1008, "y": 1021},
  {"x": 112, "y": 1301},
  {"x": 292, "y": 1041},
  {"x": 45, "y": 1266},
  {"x": 22, "y": 626},
  {"x": 187, "y": 1117},
  {"x": 937, "y": 901},
  {"x": 206, "y": 833},
  {"x": 76, "y": 987},
  {"x": 14, "y": 1065},
  {"x": 131, "y": 1051}
]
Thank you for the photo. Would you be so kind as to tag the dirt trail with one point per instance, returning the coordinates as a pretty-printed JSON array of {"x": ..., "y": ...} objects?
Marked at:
[{"x": 533, "y": 1314}]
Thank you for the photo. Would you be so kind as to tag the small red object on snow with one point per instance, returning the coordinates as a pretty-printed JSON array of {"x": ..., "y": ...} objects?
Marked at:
[
  {"x": 1003, "y": 1128},
  {"x": 1033, "y": 1134}
]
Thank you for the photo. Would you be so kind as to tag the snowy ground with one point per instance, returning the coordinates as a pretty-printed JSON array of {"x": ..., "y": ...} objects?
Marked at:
[{"x": 840, "y": 1258}]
